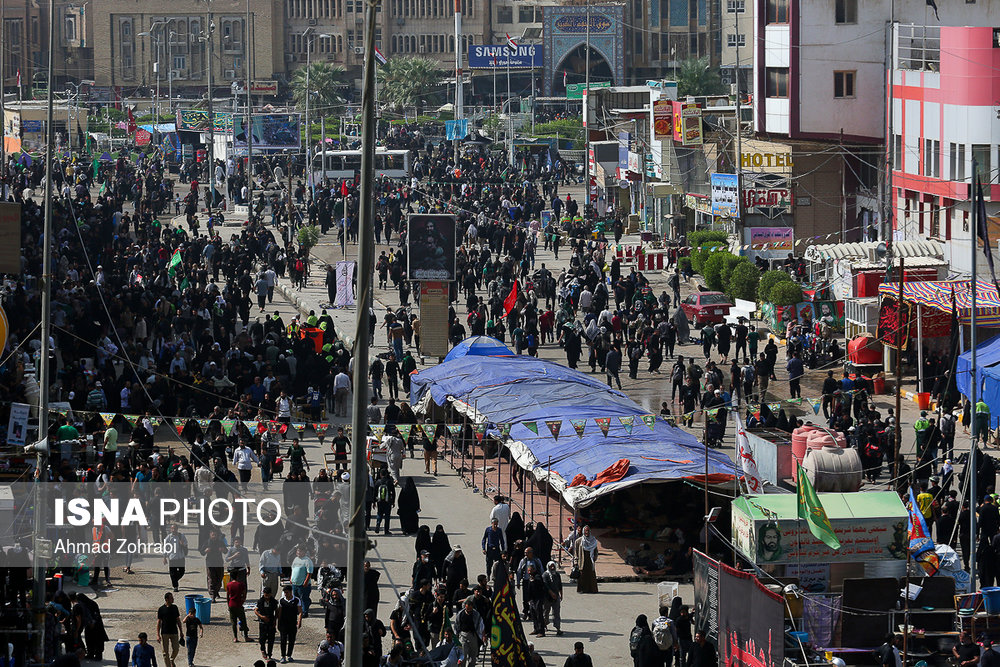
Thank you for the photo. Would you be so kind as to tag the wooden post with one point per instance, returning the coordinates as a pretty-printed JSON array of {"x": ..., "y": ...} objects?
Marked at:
[
  {"x": 560, "y": 532},
  {"x": 548, "y": 489}
]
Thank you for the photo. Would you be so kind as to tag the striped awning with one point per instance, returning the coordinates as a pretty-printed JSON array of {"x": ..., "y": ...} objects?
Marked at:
[
  {"x": 937, "y": 294},
  {"x": 915, "y": 248}
]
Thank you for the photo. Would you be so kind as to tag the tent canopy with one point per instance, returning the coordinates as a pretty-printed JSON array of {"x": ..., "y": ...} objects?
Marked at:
[
  {"x": 937, "y": 294},
  {"x": 480, "y": 346},
  {"x": 987, "y": 354},
  {"x": 519, "y": 390},
  {"x": 851, "y": 251}
]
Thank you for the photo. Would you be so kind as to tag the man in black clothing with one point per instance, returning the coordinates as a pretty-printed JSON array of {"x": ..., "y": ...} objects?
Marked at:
[
  {"x": 966, "y": 652},
  {"x": 579, "y": 658},
  {"x": 830, "y": 385},
  {"x": 267, "y": 614},
  {"x": 702, "y": 653}
]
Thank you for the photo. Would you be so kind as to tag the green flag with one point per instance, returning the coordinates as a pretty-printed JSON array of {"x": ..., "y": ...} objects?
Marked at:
[
  {"x": 175, "y": 261},
  {"x": 812, "y": 511}
]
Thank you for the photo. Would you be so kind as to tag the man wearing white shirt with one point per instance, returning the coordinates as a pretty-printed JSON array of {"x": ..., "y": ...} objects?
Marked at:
[
  {"x": 500, "y": 512},
  {"x": 243, "y": 459},
  {"x": 341, "y": 391}
]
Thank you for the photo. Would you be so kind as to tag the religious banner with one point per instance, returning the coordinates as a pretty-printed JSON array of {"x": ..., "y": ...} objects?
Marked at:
[
  {"x": 345, "y": 284},
  {"x": 228, "y": 425},
  {"x": 455, "y": 430},
  {"x": 604, "y": 423},
  {"x": 627, "y": 422},
  {"x": 890, "y": 321},
  {"x": 17, "y": 425},
  {"x": 554, "y": 426},
  {"x": 377, "y": 430},
  {"x": 320, "y": 429},
  {"x": 578, "y": 425},
  {"x": 480, "y": 431},
  {"x": 107, "y": 418},
  {"x": 430, "y": 430},
  {"x": 251, "y": 425},
  {"x": 299, "y": 427},
  {"x": 508, "y": 646},
  {"x": 531, "y": 426},
  {"x": 649, "y": 421},
  {"x": 404, "y": 431},
  {"x": 504, "y": 429}
]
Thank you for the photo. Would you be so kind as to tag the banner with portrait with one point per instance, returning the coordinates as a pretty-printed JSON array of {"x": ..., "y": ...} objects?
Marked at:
[
  {"x": 431, "y": 241},
  {"x": 345, "y": 284}
]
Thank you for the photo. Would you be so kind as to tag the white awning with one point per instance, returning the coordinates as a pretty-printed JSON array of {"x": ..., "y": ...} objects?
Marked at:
[{"x": 833, "y": 251}]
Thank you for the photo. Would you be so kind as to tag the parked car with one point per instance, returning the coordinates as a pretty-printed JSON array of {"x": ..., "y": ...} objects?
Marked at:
[{"x": 706, "y": 307}]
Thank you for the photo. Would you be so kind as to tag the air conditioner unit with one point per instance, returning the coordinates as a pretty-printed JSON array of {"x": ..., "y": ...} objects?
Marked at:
[
  {"x": 290, "y": 57},
  {"x": 230, "y": 74},
  {"x": 732, "y": 89},
  {"x": 359, "y": 50},
  {"x": 312, "y": 21},
  {"x": 176, "y": 74}
]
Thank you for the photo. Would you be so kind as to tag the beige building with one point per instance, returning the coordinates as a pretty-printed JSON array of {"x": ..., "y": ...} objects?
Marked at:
[
  {"x": 404, "y": 27},
  {"x": 128, "y": 39}
]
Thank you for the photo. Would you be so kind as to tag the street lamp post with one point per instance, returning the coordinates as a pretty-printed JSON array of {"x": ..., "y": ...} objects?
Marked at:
[
  {"x": 154, "y": 34},
  {"x": 170, "y": 72},
  {"x": 308, "y": 34}
]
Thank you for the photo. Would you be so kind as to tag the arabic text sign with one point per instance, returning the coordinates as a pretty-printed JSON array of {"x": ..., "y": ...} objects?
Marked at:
[
  {"x": 662, "y": 119},
  {"x": 266, "y": 87},
  {"x": 767, "y": 201},
  {"x": 574, "y": 91},
  {"x": 577, "y": 23},
  {"x": 772, "y": 238},
  {"x": 789, "y": 541},
  {"x": 501, "y": 56},
  {"x": 196, "y": 120}
]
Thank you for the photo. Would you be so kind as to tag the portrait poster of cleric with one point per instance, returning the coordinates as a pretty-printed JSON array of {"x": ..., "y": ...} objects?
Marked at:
[{"x": 431, "y": 246}]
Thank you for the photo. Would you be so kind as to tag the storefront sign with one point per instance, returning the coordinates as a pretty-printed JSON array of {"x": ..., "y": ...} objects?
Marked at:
[
  {"x": 577, "y": 24},
  {"x": 771, "y": 238},
  {"x": 766, "y": 160},
  {"x": 662, "y": 119},
  {"x": 699, "y": 203},
  {"x": 501, "y": 56},
  {"x": 264, "y": 87},
  {"x": 725, "y": 195},
  {"x": 574, "y": 91},
  {"x": 687, "y": 123}
]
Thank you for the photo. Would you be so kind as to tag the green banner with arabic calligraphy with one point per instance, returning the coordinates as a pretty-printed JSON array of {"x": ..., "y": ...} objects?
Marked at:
[
  {"x": 509, "y": 648},
  {"x": 196, "y": 120}
]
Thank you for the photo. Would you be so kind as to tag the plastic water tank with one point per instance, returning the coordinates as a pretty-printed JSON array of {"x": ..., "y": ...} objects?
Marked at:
[
  {"x": 834, "y": 470},
  {"x": 799, "y": 436},
  {"x": 819, "y": 439}
]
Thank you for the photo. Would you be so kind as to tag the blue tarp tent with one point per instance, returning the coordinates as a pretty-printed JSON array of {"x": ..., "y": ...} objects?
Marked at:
[
  {"x": 519, "y": 389},
  {"x": 987, "y": 354},
  {"x": 481, "y": 346}
]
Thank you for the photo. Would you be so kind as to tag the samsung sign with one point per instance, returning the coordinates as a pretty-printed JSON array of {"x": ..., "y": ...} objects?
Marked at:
[{"x": 500, "y": 56}]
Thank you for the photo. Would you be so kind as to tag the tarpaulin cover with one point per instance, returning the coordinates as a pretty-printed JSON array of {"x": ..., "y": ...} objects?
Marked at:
[
  {"x": 936, "y": 294},
  {"x": 481, "y": 346},
  {"x": 987, "y": 354},
  {"x": 516, "y": 389}
]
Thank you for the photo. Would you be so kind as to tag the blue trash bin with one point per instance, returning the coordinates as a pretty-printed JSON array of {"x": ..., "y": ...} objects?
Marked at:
[
  {"x": 991, "y": 596},
  {"x": 189, "y": 600},
  {"x": 203, "y": 609}
]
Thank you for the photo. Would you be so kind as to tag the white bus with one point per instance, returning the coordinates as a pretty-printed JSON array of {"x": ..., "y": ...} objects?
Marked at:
[{"x": 347, "y": 164}]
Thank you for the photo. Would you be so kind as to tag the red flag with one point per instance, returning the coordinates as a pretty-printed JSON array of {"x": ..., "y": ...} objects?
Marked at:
[
  {"x": 511, "y": 300},
  {"x": 131, "y": 123},
  {"x": 343, "y": 188}
]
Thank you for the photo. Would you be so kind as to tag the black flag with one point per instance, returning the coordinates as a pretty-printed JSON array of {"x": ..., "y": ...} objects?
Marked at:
[
  {"x": 931, "y": 3},
  {"x": 982, "y": 232}
]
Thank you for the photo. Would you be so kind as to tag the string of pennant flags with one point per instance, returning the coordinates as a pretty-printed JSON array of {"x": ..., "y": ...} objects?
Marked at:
[{"x": 479, "y": 430}]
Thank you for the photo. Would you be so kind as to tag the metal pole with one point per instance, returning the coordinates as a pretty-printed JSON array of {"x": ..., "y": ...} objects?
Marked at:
[
  {"x": 705, "y": 520},
  {"x": 309, "y": 181},
  {"x": 156, "y": 99},
  {"x": 548, "y": 486},
  {"x": 211, "y": 115},
  {"x": 41, "y": 457},
  {"x": 560, "y": 551},
  {"x": 170, "y": 73},
  {"x": 459, "y": 92},
  {"x": 465, "y": 429},
  {"x": 585, "y": 100},
  {"x": 3, "y": 112},
  {"x": 248, "y": 53},
  {"x": 357, "y": 546},
  {"x": 920, "y": 350},
  {"x": 898, "y": 435},
  {"x": 974, "y": 384}
]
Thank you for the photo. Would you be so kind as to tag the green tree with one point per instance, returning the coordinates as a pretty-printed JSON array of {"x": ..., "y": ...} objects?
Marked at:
[
  {"x": 411, "y": 81},
  {"x": 713, "y": 269},
  {"x": 695, "y": 78},
  {"x": 786, "y": 293},
  {"x": 743, "y": 281},
  {"x": 767, "y": 283},
  {"x": 308, "y": 236},
  {"x": 325, "y": 81}
]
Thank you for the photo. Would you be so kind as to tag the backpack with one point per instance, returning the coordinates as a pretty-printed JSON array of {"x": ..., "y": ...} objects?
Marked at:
[
  {"x": 635, "y": 642},
  {"x": 749, "y": 374},
  {"x": 299, "y": 266},
  {"x": 383, "y": 493},
  {"x": 662, "y": 635}
]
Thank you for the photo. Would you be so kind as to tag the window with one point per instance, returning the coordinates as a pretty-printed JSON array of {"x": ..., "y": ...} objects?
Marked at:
[
  {"x": 733, "y": 41},
  {"x": 505, "y": 14},
  {"x": 981, "y": 156},
  {"x": 525, "y": 14},
  {"x": 70, "y": 29},
  {"x": 736, "y": 6},
  {"x": 932, "y": 158},
  {"x": 935, "y": 214},
  {"x": 777, "y": 82},
  {"x": 638, "y": 43},
  {"x": 897, "y": 152},
  {"x": 960, "y": 174},
  {"x": 180, "y": 63},
  {"x": 777, "y": 11},
  {"x": 846, "y": 11},
  {"x": 843, "y": 84}
]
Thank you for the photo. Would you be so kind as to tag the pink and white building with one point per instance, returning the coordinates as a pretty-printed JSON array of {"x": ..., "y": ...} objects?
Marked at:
[{"x": 945, "y": 114}]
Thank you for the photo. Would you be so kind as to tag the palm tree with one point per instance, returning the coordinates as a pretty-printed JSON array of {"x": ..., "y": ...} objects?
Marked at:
[
  {"x": 410, "y": 81},
  {"x": 325, "y": 82},
  {"x": 695, "y": 78}
]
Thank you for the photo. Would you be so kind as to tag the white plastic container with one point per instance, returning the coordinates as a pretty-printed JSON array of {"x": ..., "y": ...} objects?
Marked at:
[{"x": 666, "y": 591}]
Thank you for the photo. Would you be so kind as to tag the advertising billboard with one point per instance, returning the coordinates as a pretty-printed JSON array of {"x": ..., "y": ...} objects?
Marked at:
[
  {"x": 769, "y": 195},
  {"x": 500, "y": 56},
  {"x": 781, "y": 239},
  {"x": 196, "y": 120},
  {"x": 662, "y": 119},
  {"x": 725, "y": 195},
  {"x": 275, "y": 132},
  {"x": 431, "y": 247}
]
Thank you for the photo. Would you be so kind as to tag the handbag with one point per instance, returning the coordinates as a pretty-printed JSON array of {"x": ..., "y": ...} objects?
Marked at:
[{"x": 575, "y": 572}]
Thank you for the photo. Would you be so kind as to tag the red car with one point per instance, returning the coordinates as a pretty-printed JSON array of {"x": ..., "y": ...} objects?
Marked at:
[{"x": 706, "y": 307}]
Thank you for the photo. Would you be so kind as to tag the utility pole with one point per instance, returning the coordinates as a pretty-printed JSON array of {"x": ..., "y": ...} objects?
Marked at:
[
  {"x": 308, "y": 35},
  {"x": 3, "y": 106},
  {"x": 974, "y": 385},
  {"x": 41, "y": 456},
  {"x": 211, "y": 117},
  {"x": 459, "y": 93},
  {"x": 247, "y": 55},
  {"x": 739, "y": 139},
  {"x": 357, "y": 543},
  {"x": 586, "y": 129}
]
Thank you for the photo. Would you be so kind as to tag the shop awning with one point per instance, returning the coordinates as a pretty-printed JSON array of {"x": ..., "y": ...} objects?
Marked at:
[
  {"x": 937, "y": 294},
  {"x": 832, "y": 251}
]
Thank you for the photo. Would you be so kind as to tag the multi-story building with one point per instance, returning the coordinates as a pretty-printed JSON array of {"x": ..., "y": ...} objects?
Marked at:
[
  {"x": 404, "y": 27},
  {"x": 737, "y": 20},
  {"x": 945, "y": 129},
  {"x": 129, "y": 40},
  {"x": 24, "y": 41}
]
